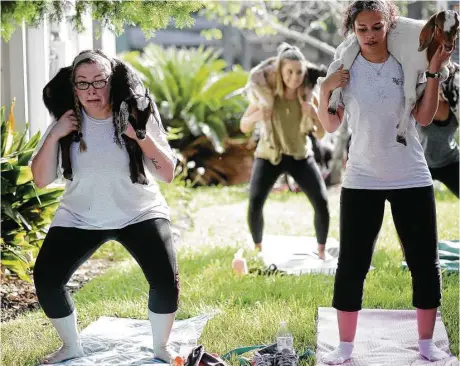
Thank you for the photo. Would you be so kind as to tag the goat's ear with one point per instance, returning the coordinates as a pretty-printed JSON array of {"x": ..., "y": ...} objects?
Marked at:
[
  {"x": 427, "y": 33},
  {"x": 322, "y": 70},
  {"x": 58, "y": 93},
  {"x": 124, "y": 115}
]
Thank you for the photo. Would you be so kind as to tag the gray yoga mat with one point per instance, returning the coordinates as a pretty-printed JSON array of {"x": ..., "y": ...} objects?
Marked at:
[
  {"x": 128, "y": 342},
  {"x": 384, "y": 338}
]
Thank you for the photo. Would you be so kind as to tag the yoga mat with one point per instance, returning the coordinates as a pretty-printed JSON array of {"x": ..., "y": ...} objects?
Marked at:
[
  {"x": 449, "y": 255},
  {"x": 128, "y": 342},
  {"x": 384, "y": 337},
  {"x": 298, "y": 254}
]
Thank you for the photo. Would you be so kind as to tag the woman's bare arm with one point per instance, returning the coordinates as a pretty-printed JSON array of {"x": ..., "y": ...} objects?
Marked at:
[
  {"x": 330, "y": 122},
  {"x": 44, "y": 164},
  {"x": 426, "y": 107},
  {"x": 337, "y": 79}
]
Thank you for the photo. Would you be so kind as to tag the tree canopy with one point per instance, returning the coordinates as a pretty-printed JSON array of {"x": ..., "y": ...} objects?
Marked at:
[
  {"x": 313, "y": 22},
  {"x": 111, "y": 14},
  {"x": 304, "y": 21}
]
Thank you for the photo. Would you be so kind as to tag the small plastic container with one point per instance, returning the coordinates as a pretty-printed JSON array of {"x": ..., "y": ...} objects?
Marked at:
[
  {"x": 239, "y": 264},
  {"x": 284, "y": 339},
  {"x": 189, "y": 341}
]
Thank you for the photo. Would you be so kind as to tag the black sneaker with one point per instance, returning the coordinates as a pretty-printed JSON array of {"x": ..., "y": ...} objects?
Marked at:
[
  {"x": 286, "y": 358},
  {"x": 263, "y": 360}
]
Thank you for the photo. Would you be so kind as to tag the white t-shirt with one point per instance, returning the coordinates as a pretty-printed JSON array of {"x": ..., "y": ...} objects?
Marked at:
[
  {"x": 101, "y": 195},
  {"x": 374, "y": 105}
]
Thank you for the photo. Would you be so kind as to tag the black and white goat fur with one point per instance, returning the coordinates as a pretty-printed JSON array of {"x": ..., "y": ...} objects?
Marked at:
[{"x": 130, "y": 102}]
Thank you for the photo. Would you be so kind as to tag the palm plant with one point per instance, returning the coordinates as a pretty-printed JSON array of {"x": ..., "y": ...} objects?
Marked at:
[
  {"x": 26, "y": 211},
  {"x": 191, "y": 88}
]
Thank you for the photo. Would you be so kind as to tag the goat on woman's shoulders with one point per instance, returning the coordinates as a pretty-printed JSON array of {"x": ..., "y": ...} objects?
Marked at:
[
  {"x": 412, "y": 43},
  {"x": 261, "y": 87},
  {"x": 130, "y": 102}
]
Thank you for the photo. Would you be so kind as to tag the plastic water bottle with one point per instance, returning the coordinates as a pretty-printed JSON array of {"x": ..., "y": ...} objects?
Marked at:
[
  {"x": 284, "y": 339},
  {"x": 239, "y": 264},
  {"x": 189, "y": 341}
]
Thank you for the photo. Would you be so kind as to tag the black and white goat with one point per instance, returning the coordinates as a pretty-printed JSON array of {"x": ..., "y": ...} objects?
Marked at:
[
  {"x": 412, "y": 43},
  {"x": 130, "y": 102}
]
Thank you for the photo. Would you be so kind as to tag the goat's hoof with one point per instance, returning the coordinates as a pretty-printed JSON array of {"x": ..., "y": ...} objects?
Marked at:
[
  {"x": 401, "y": 140},
  {"x": 331, "y": 110},
  {"x": 76, "y": 136},
  {"x": 68, "y": 173},
  {"x": 140, "y": 179}
]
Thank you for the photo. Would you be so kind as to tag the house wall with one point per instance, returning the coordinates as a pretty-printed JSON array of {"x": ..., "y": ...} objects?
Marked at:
[{"x": 33, "y": 56}]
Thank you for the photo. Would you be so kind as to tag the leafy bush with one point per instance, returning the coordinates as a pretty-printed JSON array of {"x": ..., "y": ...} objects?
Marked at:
[
  {"x": 26, "y": 210},
  {"x": 192, "y": 89}
]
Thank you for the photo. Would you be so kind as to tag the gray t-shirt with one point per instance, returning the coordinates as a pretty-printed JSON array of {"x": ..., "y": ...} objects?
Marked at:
[
  {"x": 374, "y": 104},
  {"x": 438, "y": 141},
  {"x": 101, "y": 195}
]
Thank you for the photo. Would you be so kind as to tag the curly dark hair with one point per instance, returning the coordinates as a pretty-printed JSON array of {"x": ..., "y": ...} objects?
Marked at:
[{"x": 388, "y": 8}]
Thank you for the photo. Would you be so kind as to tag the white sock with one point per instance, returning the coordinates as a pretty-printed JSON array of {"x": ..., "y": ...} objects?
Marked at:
[
  {"x": 161, "y": 329},
  {"x": 341, "y": 354},
  {"x": 71, "y": 348},
  {"x": 429, "y": 350}
]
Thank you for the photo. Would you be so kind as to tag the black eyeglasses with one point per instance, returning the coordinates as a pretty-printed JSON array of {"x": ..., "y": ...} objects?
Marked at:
[{"x": 98, "y": 84}]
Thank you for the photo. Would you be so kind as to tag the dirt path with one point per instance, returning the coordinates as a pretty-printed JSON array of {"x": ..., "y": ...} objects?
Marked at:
[
  {"x": 19, "y": 296},
  {"x": 226, "y": 224}
]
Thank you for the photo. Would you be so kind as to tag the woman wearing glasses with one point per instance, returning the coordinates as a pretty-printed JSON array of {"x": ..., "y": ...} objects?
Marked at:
[{"x": 101, "y": 204}]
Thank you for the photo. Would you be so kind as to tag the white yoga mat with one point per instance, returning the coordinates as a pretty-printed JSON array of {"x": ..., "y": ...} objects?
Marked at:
[
  {"x": 298, "y": 254},
  {"x": 128, "y": 342},
  {"x": 383, "y": 338}
]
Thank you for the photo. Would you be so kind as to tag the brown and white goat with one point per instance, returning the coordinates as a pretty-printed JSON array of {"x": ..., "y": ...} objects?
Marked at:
[{"x": 412, "y": 43}]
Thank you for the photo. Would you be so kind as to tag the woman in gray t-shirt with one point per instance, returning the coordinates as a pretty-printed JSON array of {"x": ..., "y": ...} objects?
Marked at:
[
  {"x": 380, "y": 169},
  {"x": 101, "y": 202},
  {"x": 438, "y": 139}
]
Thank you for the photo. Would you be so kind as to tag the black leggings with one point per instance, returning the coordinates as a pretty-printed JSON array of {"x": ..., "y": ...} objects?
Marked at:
[
  {"x": 65, "y": 249},
  {"x": 306, "y": 173},
  {"x": 361, "y": 216},
  {"x": 449, "y": 175}
]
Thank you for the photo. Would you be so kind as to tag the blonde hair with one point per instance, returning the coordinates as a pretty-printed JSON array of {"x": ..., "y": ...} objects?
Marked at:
[{"x": 286, "y": 52}]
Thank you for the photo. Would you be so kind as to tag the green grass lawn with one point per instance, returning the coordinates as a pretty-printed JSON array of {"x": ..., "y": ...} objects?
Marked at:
[{"x": 250, "y": 307}]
